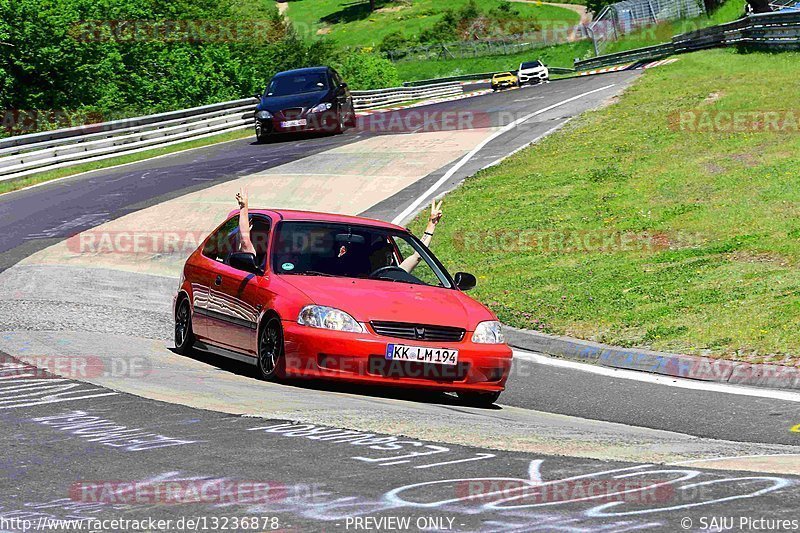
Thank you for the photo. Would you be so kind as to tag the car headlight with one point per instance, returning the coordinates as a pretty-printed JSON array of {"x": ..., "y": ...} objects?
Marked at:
[
  {"x": 321, "y": 108},
  {"x": 489, "y": 332},
  {"x": 319, "y": 316},
  {"x": 263, "y": 115}
]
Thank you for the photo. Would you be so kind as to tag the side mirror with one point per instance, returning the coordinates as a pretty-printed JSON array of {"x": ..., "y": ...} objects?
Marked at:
[
  {"x": 465, "y": 281},
  {"x": 341, "y": 88},
  {"x": 244, "y": 261}
]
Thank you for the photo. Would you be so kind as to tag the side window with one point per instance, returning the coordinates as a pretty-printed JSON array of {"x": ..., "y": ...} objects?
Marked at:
[
  {"x": 337, "y": 80},
  {"x": 223, "y": 241},
  {"x": 259, "y": 236},
  {"x": 423, "y": 271}
]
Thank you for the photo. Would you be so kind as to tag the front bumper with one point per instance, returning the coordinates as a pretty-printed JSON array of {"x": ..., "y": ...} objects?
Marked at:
[
  {"x": 327, "y": 122},
  {"x": 503, "y": 84},
  {"x": 535, "y": 77},
  {"x": 360, "y": 357}
]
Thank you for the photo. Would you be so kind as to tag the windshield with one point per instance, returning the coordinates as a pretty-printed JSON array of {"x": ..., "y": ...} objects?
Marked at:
[
  {"x": 503, "y": 75},
  {"x": 531, "y": 64},
  {"x": 354, "y": 251},
  {"x": 297, "y": 83}
]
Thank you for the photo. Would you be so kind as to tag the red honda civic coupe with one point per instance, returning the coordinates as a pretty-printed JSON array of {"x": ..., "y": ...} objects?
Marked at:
[{"x": 332, "y": 296}]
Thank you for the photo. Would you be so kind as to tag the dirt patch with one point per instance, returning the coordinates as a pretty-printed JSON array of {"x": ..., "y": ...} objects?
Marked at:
[
  {"x": 324, "y": 31},
  {"x": 393, "y": 9},
  {"x": 282, "y": 7},
  {"x": 743, "y": 256},
  {"x": 712, "y": 97},
  {"x": 749, "y": 160}
]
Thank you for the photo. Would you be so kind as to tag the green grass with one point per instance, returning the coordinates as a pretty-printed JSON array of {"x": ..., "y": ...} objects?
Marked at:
[
  {"x": 555, "y": 56},
  {"x": 720, "y": 275},
  {"x": 349, "y": 23},
  {"x": 8, "y": 186}
]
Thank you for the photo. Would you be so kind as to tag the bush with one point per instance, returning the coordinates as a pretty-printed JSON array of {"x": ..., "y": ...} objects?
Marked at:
[
  {"x": 364, "y": 71},
  {"x": 394, "y": 41},
  {"x": 53, "y": 58}
]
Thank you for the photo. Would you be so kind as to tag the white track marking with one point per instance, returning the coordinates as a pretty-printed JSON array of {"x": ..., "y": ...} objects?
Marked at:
[
  {"x": 734, "y": 458},
  {"x": 658, "y": 379},
  {"x": 505, "y": 129},
  {"x": 517, "y": 150}
]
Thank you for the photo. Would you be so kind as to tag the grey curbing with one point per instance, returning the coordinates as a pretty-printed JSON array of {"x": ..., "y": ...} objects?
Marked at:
[{"x": 667, "y": 364}]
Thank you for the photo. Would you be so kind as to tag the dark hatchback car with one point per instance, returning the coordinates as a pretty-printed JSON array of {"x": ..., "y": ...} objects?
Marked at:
[{"x": 304, "y": 100}]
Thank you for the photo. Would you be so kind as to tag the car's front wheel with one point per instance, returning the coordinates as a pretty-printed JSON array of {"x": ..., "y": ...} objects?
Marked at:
[
  {"x": 184, "y": 337},
  {"x": 261, "y": 134},
  {"x": 271, "y": 360},
  {"x": 478, "y": 399},
  {"x": 341, "y": 121}
]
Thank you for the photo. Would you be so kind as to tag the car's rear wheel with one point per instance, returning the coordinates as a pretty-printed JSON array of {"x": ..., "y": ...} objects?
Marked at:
[
  {"x": 478, "y": 399},
  {"x": 184, "y": 337},
  {"x": 271, "y": 360}
]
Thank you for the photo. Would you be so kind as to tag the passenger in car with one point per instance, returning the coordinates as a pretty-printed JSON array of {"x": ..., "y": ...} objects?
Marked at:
[
  {"x": 245, "y": 243},
  {"x": 411, "y": 262}
]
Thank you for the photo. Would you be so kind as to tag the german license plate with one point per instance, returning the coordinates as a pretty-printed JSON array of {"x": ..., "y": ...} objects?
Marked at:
[
  {"x": 294, "y": 123},
  {"x": 437, "y": 356}
]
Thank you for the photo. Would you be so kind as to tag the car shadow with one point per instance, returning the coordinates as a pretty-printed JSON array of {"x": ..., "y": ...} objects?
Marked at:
[
  {"x": 389, "y": 392},
  {"x": 280, "y": 138}
]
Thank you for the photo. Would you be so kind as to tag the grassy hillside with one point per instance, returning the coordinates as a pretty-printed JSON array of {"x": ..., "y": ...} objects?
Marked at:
[
  {"x": 626, "y": 229},
  {"x": 349, "y": 22},
  {"x": 563, "y": 55},
  {"x": 558, "y": 56}
]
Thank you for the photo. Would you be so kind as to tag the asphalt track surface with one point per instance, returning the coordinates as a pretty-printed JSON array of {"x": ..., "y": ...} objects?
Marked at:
[{"x": 323, "y": 481}]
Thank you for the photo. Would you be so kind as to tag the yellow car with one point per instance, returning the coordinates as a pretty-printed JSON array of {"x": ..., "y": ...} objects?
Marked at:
[{"x": 504, "y": 80}]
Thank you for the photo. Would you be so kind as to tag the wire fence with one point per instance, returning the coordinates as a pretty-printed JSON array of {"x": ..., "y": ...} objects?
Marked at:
[{"x": 628, "y": 16}]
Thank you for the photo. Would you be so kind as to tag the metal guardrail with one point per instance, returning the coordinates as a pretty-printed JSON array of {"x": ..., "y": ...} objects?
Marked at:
[
  {"x": 396, "y": 95},
  {"x": 629, "y": 56},
  {"x": 481, "y": 76},
  {"x": 463, "y": 77},
  {"x": 24, "y": 155},
  {"x": 764, "y": 30}
]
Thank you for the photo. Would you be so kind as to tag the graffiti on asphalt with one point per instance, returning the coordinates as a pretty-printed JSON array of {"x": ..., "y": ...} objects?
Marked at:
[
  {"x": 416, "y": 449},
  {"x": 20, "y": 387},
  {"x": 108, "y": 433}
]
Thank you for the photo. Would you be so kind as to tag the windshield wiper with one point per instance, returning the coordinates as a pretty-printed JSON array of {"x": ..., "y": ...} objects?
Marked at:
[{"x": 316, "y": 273}]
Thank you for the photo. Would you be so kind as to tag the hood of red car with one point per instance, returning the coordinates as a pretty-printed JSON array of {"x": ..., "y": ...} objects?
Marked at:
[{"x": 367, "y": 300}]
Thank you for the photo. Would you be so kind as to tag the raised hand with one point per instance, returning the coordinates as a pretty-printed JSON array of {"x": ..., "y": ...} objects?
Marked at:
[
  {"x": 436, "y": 211},
  {"x": 241, "y": 197}
]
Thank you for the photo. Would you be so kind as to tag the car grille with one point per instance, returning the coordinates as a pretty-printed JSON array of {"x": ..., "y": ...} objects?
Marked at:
[
  {"x": 292, "y": 112},
  {"x": 422, "y": 332}
]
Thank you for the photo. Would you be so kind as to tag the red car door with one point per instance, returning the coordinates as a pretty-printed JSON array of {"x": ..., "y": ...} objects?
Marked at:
[
  {"x": 233, "y": 309},
  {"x": 234, "y": 299}
]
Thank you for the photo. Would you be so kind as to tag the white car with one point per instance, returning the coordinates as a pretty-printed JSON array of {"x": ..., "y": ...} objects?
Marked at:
[{"x": 533, "y": 72}]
